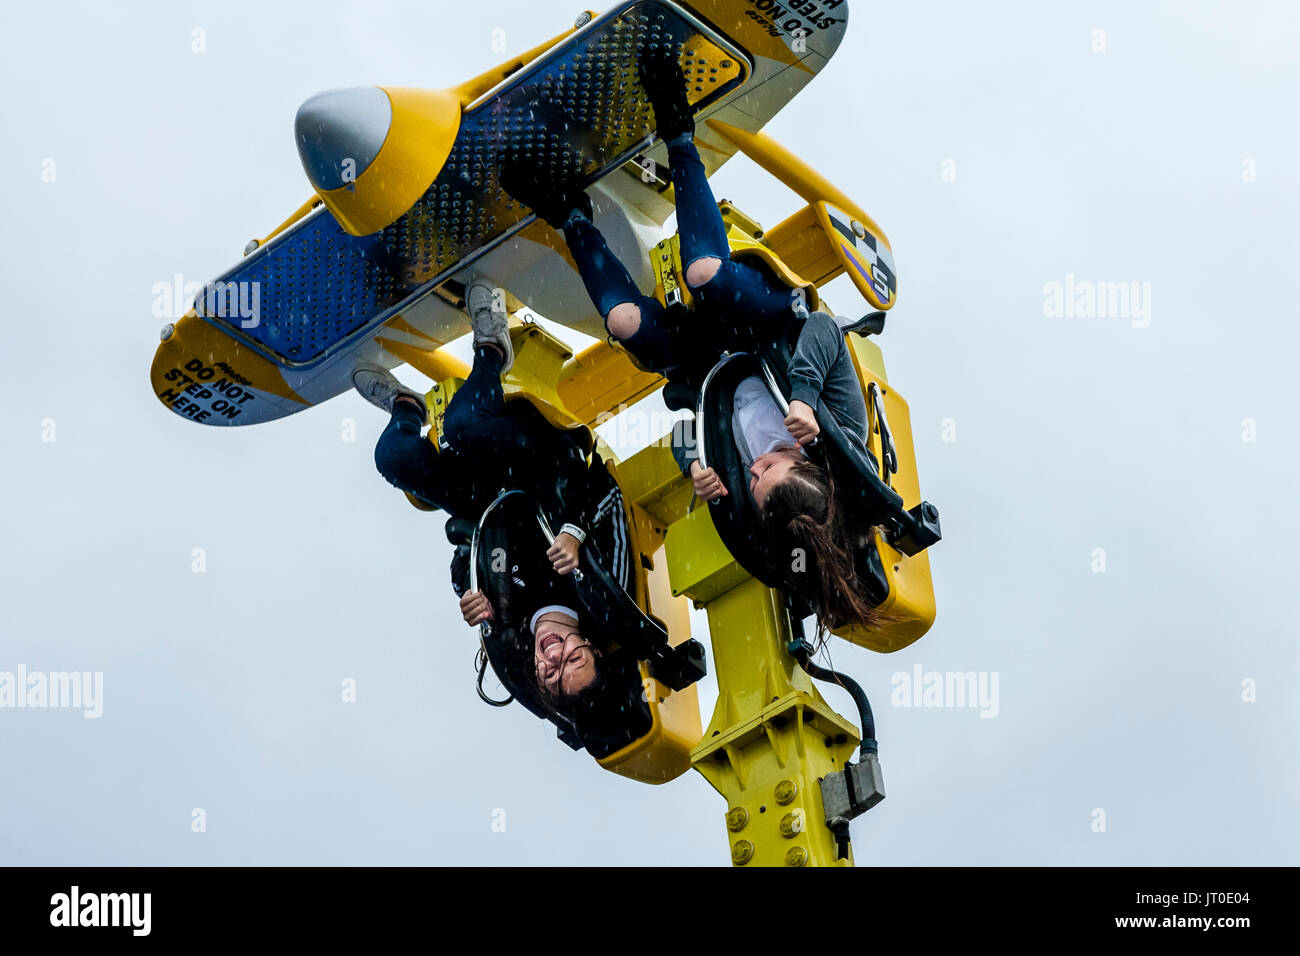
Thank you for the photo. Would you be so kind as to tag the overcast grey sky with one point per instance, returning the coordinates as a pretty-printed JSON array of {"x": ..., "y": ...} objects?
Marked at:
[{"x": 999, "y": 150}]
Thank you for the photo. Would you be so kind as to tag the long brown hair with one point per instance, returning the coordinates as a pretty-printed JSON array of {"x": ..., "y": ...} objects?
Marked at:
[{"x": 802, "y": 517}]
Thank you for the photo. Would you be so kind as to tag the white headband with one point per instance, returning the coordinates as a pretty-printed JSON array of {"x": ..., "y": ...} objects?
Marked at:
[{"x": 550, "y": 609}]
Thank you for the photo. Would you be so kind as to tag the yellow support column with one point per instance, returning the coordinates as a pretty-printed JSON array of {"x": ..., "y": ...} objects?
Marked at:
[{"x": 772, "y": 736}]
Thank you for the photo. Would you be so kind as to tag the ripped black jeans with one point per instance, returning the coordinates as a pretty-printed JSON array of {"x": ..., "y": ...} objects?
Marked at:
[{"x": 741, "y": 298}]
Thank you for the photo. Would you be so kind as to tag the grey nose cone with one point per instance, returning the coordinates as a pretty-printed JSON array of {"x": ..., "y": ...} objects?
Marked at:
[{"x": 340, "y": 132}]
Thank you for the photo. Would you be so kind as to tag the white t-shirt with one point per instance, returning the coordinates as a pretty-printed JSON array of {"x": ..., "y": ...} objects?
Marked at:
[{"x": 758, "y": 425}]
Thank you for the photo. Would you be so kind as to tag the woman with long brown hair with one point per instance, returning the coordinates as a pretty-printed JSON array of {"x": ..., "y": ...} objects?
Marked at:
[{"x": 802, "y": 517}]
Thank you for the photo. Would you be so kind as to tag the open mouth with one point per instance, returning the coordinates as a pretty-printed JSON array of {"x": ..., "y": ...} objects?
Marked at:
[{"x": 549, "y": 641}]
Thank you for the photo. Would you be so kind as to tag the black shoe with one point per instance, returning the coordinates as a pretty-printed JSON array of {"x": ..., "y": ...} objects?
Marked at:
[
  {"x": 460, "y": 530},
  {"x": 681, "y": 396},
  {"x": 870, "y": 324},
  {"x": 665, "y": 84},
  {"x": 553, "y": 202}
]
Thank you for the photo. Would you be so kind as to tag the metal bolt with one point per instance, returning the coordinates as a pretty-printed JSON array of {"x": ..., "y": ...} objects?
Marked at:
[
  {"x": 786, "y": 791},
  {"x": 791, "y": 824},
  {"x": 583, "y": 19},
  {"x": 797, "y": 856},
  {"x": 167, "y": 331},
  {"x": 737, "y": 817},
  {"x": 859, "y": 230},
  {"x": 741, "y": 852},
  {"x": 253, "y": 244}
]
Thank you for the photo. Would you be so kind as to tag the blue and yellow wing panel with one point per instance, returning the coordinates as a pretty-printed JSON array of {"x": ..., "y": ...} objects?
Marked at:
[{"x": 289, "y": 323}]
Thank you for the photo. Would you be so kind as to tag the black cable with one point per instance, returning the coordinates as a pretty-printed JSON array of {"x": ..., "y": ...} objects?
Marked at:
[{"x": 865, "y": 717}]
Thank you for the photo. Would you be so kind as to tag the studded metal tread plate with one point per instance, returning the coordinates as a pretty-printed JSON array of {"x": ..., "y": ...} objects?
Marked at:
[{"x": 576, "y": 114}]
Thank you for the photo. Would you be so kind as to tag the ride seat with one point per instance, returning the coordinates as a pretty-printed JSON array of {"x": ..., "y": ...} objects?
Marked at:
[
  {"x": 892, "y": 534},
  {"x": 633, "y": 646}
]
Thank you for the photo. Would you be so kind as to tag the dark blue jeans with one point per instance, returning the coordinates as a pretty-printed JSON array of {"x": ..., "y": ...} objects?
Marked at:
[
  {"x": 476, "y": 423},
  {"x": 492, "y": 444},
  {"x": 739, "y": 304},
  {"x": 413, "y": 465}
]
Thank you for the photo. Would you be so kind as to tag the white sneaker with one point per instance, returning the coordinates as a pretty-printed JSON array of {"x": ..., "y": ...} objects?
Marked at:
[
  {"x": 490, "y": 324},
  {"x": 379, "y": 387}
]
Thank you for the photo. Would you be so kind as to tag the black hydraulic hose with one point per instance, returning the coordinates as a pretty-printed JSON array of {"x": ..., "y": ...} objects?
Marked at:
[{"x": 865, "y": 717}]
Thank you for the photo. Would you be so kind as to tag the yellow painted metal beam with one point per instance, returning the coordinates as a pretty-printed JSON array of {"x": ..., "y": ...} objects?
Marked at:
[
  {"x": 772, "y": 737},
  {"x": 301, "y": 211},
  {"x": 809, "y": 184},
  {"x": 603, "y": 380}
]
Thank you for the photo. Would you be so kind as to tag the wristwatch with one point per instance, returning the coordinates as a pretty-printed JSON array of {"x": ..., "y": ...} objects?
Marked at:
[{"x": 574, "y": 530}]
